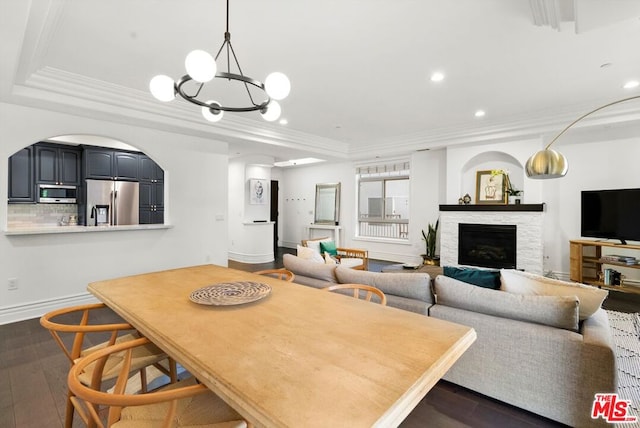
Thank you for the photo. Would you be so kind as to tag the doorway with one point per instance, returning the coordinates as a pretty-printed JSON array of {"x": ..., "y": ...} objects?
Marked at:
[{"x": 274, "y": 214}]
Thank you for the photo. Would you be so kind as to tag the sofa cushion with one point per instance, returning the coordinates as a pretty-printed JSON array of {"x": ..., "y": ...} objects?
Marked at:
[
  {"x": 310, "y": 269},
  {"x": 554, "y": 311},
  {"x": 350, "y": 262},
  {"x": 518, "y": 282},
  {"x": 481, "y": 277},
  {"x": 410, "y": 285},
  {"x": 309, "y": 254}
]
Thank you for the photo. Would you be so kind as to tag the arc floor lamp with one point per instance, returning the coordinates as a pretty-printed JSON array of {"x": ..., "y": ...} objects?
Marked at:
[{"x": 549, "y": 163}]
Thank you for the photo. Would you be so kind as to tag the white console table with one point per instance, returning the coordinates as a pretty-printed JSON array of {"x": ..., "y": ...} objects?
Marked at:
[{"x": 320, "y": 231}]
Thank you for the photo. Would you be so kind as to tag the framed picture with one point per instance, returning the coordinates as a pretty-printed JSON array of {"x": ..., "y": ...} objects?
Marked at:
[
  {"x": 258, "y": 191},
  {"x": 490, "y": 189}
]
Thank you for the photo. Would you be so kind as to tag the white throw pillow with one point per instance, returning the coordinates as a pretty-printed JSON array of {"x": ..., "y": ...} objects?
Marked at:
[
  {"x": 315, "y": 244},
  {"x": 309, "y": 254},
  {"x": 518, "y": 282},
  {"x": 328, "y": 259}
]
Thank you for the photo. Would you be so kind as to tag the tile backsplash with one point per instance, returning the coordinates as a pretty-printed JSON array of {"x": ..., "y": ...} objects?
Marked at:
[{"x": 38, "y": 215}]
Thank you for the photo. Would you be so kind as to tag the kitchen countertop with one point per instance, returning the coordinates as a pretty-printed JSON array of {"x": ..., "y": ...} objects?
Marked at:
[{"x": 43, "y": 230}]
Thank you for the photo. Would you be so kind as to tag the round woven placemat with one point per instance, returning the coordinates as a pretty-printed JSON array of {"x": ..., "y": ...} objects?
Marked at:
[{"x": 230, "y": 293}]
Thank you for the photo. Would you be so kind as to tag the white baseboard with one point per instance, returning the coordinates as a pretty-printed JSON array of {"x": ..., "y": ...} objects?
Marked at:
[
  {"x": 27, "y": 311},
  {"x": 251, "y": 258}
]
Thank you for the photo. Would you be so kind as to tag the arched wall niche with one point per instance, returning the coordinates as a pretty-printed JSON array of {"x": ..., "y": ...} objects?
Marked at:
[{"x": 490, "y": 160}]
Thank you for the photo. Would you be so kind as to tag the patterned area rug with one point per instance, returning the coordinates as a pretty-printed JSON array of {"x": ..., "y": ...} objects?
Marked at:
[{"x": 625, "y": 328}]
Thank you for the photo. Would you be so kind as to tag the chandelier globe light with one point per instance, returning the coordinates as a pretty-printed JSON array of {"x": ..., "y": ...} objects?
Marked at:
[
  {"x": 273, "y": 112},
  {"x": 207, "y": 111},
  {"x": 277, "y": 85},
  {"x": 549, "y": 163},
  {"x": 202, "y": 67},
  {"x": 162, "y": 87}
]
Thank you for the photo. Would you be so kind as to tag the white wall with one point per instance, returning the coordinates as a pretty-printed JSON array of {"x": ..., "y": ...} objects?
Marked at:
[
  {"x": 298, "y": 199},
  {"x": 442, "y": 176},
  {"x": 603, "y": 164},
  {"x": 54, "y": 269},
  {"x": 249, "y": 242}
]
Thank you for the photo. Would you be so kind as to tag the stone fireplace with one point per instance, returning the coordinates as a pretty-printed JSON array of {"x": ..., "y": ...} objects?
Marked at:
[{"x": 489, "y": 233}]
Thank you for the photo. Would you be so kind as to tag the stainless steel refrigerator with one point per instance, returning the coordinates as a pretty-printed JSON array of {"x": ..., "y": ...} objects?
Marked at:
[{"x": 112, "y": 202}]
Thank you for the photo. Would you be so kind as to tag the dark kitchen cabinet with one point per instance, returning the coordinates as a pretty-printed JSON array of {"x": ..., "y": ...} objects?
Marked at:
[
  {"x": 106, "y": 164},
  {"x": 55, "y": 164},
  {"x": 151, "y": 191},
  {"x": 149, "y": 170},
  {"x": 125, "y": 166},
  {"x": 21, "y": 185}
]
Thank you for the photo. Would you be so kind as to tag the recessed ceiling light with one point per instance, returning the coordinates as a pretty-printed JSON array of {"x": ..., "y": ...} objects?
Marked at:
[
  {"x": 294, "y": 162},
  {"x": 283, "y": 121},
  {"x": 631, "y": 84},
  {"x": 480, "y": 113},
  {"x": 437, "y": 77}
]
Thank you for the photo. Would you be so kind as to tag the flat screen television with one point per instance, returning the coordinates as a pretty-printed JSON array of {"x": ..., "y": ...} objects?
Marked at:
[{"x": 611, "y": 214}]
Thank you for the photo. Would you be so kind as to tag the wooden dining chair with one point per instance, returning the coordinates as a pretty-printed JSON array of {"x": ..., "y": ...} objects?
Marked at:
[
  {"x": 284, "y": 274},
  {"x": 74, "y": 332},
  {"x": 363, "y": 291},
  {"x": 185, "y": 403}
]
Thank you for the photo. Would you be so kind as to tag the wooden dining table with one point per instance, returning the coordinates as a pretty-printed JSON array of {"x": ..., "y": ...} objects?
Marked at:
[{"x": 299, "y": 357}]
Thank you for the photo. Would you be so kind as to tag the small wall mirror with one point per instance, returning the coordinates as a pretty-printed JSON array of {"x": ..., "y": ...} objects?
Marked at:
[{"x": 327, "y": 203}]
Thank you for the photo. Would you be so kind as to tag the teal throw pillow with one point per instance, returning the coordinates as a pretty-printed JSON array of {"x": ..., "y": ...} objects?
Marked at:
[
  {"x": 329, "y": 247},
  {"x": 480, "y": 277}
]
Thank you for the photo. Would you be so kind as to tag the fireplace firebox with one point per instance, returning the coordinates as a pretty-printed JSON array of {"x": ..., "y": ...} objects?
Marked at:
[{"x": 487, "y": 245}]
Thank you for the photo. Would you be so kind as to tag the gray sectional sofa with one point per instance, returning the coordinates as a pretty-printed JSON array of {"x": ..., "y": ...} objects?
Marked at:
[
  {"x": 534, "y": 352},
  {"x": 409, "y": 291}
]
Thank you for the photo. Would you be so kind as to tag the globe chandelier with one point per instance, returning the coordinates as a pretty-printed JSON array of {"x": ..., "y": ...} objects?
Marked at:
[
  {"x": 202, "y": 68},
  {"x": 549, "y": 163}
]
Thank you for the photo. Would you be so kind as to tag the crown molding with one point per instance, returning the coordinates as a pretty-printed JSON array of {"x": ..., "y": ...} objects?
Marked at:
[
  {"x": 76, "y": 94},
  {"x": 543, "y": 126},
  {"x": 64, "y": 91}
]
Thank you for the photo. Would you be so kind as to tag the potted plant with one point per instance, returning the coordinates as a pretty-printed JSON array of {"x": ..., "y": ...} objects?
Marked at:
[
  {"x": 511, "y": 192},
  {"x": 509, "y": 189},
  {"x": 430, "y": 258}
]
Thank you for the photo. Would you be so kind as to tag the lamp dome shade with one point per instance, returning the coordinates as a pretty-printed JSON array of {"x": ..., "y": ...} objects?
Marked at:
[
  {"x": 200, "y": 65},
  {"x": 273, "y": 112},
  {"x": 546, "y": 164},
  {"x": 211, "y": 116},
  {"x": 162, "y": 87},
  {"x": 277, "y": 85}
]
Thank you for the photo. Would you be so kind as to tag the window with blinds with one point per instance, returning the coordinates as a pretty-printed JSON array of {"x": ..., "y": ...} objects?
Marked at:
[{"x": 383, "y": 200}]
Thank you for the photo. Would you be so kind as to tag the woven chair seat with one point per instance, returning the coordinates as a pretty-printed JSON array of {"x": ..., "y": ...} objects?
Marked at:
[
  {"x": 143, "y": 356},
  {"x": 204, "y": 410},
  {"x": 185, "y": 403}
]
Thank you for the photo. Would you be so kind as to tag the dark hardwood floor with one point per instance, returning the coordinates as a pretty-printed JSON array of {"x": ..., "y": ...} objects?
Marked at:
[{"x": 33, "y": 383}]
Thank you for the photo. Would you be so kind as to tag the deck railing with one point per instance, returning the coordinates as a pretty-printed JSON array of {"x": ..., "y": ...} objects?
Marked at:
[{"x": 393, "y": 228}]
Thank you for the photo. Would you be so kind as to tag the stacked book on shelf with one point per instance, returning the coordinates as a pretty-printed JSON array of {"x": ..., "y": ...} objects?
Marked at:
[{"x": 627, "y": 260}]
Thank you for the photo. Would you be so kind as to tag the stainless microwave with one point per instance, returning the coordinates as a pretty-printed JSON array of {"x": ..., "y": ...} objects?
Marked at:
[{"x": 57, "y": 194}]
